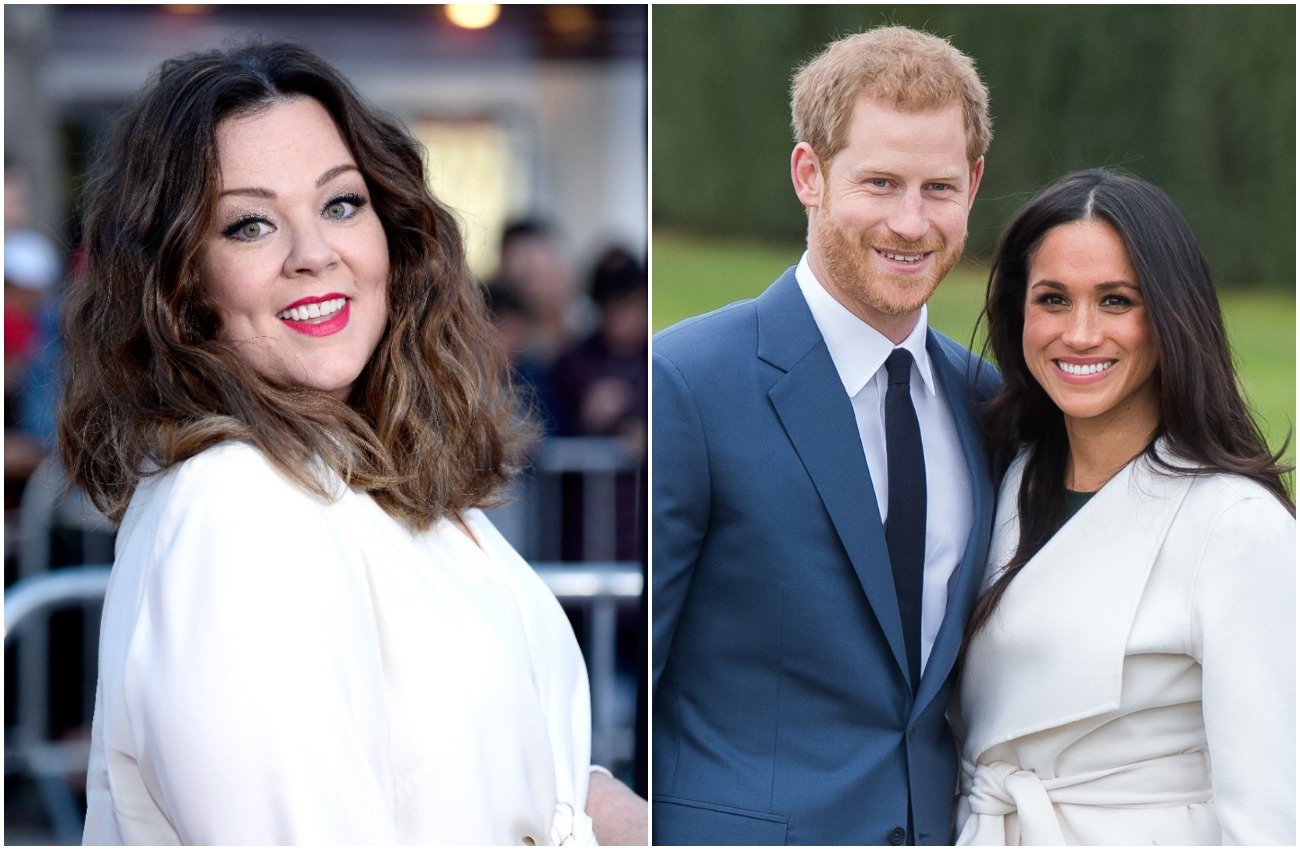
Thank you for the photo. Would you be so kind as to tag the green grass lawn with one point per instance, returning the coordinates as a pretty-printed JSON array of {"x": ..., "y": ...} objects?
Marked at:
[{"x": 691, "y": 276}]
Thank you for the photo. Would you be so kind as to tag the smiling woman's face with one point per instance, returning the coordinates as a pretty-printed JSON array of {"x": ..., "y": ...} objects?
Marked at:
[
  {"x": 296, "y": 261},
  {"x": 1087, "y": 337}
]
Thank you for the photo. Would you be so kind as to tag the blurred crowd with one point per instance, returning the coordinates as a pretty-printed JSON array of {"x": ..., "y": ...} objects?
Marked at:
[
  {"x": 579, "y": 359},
  {"x": 579, "y": 353},
  {"x": 34, "y": 274}
]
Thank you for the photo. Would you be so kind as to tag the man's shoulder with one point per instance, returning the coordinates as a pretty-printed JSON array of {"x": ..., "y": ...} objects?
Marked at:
[
  {"x": 729, "y": 332},
  {"x": 722, "y": 333},
  {"x": 723, "y": 324},
  {"x": 982, "y": 376}
]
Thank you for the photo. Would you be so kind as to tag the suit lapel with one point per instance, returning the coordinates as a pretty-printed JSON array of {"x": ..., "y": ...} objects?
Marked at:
[
  {"x": 965, "y": 580},
  {"x": 818, "y": 417}
]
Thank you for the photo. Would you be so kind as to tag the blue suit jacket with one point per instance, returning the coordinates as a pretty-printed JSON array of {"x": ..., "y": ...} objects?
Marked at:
[{"x": 783, "y": 712}]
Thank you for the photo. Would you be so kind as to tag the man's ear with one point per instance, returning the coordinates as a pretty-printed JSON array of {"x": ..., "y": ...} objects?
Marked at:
[
  {"x": 976, "y": 175},
  {"x": 806, "y": 175}
]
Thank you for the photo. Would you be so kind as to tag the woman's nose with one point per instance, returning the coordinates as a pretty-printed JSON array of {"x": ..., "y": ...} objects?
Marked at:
[
  {"x": 310, "y": 251},
  {"x": 1083, "y": 331}
]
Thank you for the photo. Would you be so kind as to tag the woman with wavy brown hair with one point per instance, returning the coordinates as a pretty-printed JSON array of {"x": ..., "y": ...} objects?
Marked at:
[
  {"x": 282, "y": 383},
  {"x": 1129, "y": 674}
]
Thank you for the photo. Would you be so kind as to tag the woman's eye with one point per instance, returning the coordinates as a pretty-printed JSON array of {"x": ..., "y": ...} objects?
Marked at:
[
  {"x": 1116, "y": 301},
  {"x": 248, "y": 229},
  {"x": 338, "y": 209},
  {"x": 345, "y": 207}
]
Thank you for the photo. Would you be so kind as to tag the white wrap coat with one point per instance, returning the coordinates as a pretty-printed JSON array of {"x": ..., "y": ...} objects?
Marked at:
[
  {"x": 1136, "y": 682},
  {"x": 275, "y": 669}
]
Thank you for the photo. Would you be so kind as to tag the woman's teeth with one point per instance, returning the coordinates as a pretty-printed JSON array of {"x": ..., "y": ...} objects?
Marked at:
[
  {"x": 1087, "y": 369},
  {"x": 318, "y": 310}
]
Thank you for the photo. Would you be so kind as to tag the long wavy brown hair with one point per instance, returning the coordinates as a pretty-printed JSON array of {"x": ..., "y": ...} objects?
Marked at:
[{"x": 429, "y": 429}]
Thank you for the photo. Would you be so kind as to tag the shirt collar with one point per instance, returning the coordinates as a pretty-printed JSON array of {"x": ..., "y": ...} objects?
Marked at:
[{"x": 857, "y": 349}]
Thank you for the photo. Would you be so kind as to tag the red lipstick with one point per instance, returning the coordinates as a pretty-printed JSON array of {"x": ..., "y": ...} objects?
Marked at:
[{"x": 318, "y": 327}]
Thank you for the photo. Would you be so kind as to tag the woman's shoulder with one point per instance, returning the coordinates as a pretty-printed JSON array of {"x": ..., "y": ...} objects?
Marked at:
[
  {"x": 228, "y": 516},
  {"x": 1224, "y": 498},
  {"x": 232, "y": 479},
  {"x": 1229, "y": 529}
]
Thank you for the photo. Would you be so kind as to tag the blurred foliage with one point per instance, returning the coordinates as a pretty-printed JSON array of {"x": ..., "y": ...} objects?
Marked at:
[{"x": 1200, "y": 100}]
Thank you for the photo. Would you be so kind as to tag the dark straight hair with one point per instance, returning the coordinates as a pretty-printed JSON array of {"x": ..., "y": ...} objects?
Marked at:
[{"x": 1204, "y": 419}]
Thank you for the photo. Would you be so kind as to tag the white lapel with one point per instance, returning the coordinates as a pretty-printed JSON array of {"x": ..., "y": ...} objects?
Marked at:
[{"x": 1053, "y": 651}]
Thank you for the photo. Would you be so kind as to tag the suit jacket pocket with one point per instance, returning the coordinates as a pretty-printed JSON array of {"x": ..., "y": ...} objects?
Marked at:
[{"x": 681, "y": 821}]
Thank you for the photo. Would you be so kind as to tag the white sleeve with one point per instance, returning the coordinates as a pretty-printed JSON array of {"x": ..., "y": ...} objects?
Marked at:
[
  {"x": 568, "y": 705},
  {"x": 560, "y": 675},
  {"x": 253, "y": 678},
  {"x": 1243, "y": 634}
]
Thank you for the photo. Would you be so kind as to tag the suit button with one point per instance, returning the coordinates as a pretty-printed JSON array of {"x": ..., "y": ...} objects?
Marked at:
[{"x": 897, "y": 835}]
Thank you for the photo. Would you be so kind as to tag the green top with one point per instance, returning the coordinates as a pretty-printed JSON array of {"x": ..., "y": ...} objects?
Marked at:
[{"x": 1075, "y": 500}]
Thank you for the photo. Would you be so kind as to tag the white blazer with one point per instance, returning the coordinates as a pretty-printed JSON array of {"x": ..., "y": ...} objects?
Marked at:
[
  {"x": 1136, "y": 683},
  {"x": 275, "y": 669}
]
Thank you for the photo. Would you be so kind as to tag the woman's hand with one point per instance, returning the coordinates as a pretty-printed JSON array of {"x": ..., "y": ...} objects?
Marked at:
[{"x": 618, "y": 815}]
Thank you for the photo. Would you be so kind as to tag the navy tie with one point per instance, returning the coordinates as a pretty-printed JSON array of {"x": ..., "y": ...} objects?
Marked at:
[{"x": 905, "y": 523}]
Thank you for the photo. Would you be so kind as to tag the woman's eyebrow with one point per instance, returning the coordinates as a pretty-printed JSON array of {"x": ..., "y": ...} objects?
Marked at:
[{"x": 259, "y": 192}]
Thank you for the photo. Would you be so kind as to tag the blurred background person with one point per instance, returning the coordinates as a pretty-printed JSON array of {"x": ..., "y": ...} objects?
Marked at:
[
  {"x": 33, "y": 272},
  {"x": 601, "y": 382},
  {"x": 536, "y": 270},
  {"x": 601, "y": 390},
  {"x": 531, "y": 373}
]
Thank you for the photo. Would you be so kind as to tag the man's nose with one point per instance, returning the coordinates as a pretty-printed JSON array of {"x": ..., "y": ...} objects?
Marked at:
[{"x": 908, "y": 218}]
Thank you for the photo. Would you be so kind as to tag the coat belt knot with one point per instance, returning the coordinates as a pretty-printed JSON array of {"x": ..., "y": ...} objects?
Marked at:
[
  {"x": 996, "y": 789},
  {"x": 570, "y": 826}
]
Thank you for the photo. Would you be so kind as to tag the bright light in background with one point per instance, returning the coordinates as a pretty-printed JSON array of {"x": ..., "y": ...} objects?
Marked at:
[
  {"x": 188, "y": 8},
  {"x": 473, "y": 169},
  {"x": 473, "y": 16}
]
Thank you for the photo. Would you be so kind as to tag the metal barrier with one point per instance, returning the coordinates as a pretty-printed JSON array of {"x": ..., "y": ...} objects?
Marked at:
[
  {"x": 47, "y": 505},
  {"x": 599, "y": 460},
  {"x": 38, "y": 594},
  {"x": 28, "y": 748},
  {"x": 601, "y": 588}
]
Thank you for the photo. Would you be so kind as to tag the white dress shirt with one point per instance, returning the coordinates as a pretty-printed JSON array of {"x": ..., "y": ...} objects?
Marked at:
[
  {"x": 859, "y": 352},
  {"x": 275, "y": 669}
]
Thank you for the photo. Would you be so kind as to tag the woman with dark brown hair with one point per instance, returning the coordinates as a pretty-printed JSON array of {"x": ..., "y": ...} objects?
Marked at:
[
  {"x": 1129, "y": 675},
  {"x": 282, "y": 382}
]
